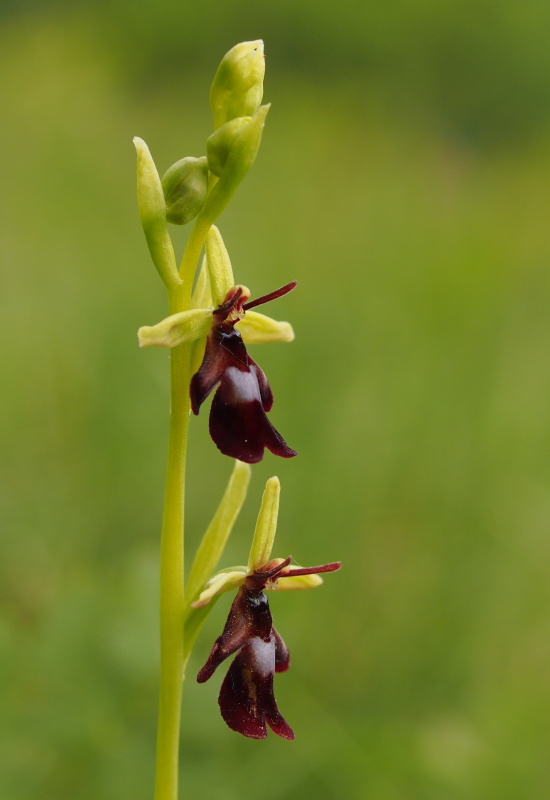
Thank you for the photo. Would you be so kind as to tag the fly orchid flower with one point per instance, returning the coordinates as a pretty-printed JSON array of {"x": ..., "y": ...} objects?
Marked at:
[
  {"x": 246, "y": 698},
  {"x": 238, "y": 422}
]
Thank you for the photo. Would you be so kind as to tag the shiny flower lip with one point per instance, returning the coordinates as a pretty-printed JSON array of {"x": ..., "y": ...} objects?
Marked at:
[{"x": 238, "y": 416}]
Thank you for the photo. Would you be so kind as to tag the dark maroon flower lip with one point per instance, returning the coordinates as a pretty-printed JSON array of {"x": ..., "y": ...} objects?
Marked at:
[
  {"x": 238, "y": 417},
  {"x": 247, "y": 702}
]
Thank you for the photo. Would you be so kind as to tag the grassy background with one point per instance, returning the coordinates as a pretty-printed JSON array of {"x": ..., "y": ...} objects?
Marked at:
[{"x": 404, "y": 181}]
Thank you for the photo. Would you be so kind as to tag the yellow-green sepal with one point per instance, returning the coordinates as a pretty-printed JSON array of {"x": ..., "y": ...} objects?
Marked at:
[
  {"x": 185, "y": 326},
  {"x": 202, "y": 294},
  {"x": 219, "y": 266},
  {"x": 224, "y": 581},
  {"x": 297, "y": 582},
  {"x": 266, "y": 526},
  {"x": 257, "y": 328}
]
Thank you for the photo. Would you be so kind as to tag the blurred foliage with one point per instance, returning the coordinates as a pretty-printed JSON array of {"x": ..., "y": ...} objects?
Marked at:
[
  {"x": 403, "y": 180},
  {"x": 482, "y": 64}
]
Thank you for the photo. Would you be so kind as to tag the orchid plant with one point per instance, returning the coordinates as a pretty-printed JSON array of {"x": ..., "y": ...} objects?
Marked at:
[{"x": 211, "y": 320}]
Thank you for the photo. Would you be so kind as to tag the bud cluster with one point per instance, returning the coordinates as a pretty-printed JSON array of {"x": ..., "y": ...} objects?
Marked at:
[{"x": 202, "y": 186}]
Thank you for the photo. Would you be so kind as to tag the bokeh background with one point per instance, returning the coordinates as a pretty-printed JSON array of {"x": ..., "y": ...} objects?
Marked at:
[{"x": 404, "y": 180}]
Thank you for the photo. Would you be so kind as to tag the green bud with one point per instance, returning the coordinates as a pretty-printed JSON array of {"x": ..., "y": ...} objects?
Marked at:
[
  {"x": 237, "y": 89},
  {"x": 220, "y": 144},
  {"x": 152, "y": 213},
  {"x": 231, "y": 152},
  {"x": 185, "y": 185}
]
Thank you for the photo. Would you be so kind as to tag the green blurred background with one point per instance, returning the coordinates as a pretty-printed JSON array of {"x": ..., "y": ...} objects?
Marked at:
[{"x": 404, "y": 180}]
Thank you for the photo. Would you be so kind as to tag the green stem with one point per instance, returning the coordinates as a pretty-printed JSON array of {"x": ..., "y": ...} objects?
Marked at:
[
  {"x": 171, "y": 582},
  {"x": 172, "y": 646}
]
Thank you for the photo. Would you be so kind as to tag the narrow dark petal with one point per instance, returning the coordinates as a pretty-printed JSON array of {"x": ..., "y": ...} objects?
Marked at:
[
  {"x": 249, "y": 616},
  {"x": 238, "y": 423},
  {"x": 266, "y": 298},
  {"x": 264, "y": 575},
  {"x": 334, "y": 567},
  {"x": 246, "y": 697},
  {"x": 282, "y": 654}
]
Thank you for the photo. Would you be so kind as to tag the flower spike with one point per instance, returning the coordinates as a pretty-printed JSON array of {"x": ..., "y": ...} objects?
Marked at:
[{"x": 238, "y": 422}]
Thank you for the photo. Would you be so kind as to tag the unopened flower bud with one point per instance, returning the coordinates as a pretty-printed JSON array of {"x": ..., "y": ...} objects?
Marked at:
[
  {"x": 222, "y": 141},
  {"x": 185, "y": 186},
  {"x": 237, "y": 89},
  {"x": 231, "y": 152}
]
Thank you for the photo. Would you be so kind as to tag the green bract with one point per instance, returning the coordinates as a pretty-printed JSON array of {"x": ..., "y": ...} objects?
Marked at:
[{"x": 152, "y": 213}]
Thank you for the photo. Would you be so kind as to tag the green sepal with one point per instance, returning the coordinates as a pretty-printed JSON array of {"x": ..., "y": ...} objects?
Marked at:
[
  {"x": 185, "y": 326},
  {"x": 219, "y": 266},
  {"x": 256, "y": 328},
  {"x": 298, "y": 582},
  {"x": 202, "y": 294},
  {"x": 266, "y": 526},
  {"x": 152, "y": 213},
  {"x": 224, "y": 581}
]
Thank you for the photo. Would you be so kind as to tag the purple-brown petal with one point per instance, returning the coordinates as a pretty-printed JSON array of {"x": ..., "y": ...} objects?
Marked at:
[
  {"x": 266, "y": 395},
  {"x": 246, "y": 697},
  {"x": 282, "y": 654}
]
